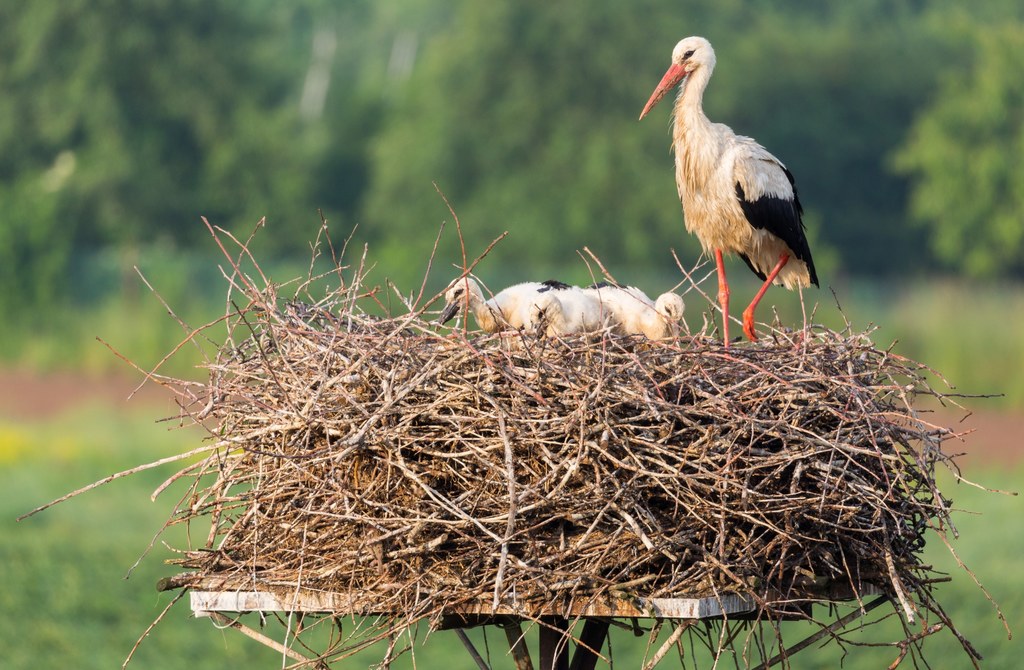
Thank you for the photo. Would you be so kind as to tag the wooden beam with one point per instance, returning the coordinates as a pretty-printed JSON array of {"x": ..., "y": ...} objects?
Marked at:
[
  {"x": 589, "y": 647},
  {"x": 259, "y": 637},
  {"x": 833, "y": 627},
  {"x": 517, "y": 644},
  {"x": 680, "y": 628},
  {"x": 554, "y": 643},
  {"x": 471, "y": 648}
]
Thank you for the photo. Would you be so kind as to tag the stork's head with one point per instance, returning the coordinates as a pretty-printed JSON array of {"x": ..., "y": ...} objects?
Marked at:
[
  {"x": 455, "y": 296},
  {"x": 671, "y": 306},
  {"x": 547, "y": 315},
  {"x": 691, "y": 54}
]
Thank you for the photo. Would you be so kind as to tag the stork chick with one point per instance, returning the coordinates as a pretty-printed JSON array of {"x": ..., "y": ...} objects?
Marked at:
[
  {"x": 567, "y": 310},
  {"x": 737, "y": 198},
  {"x": 510, "y": 308},
  {"x": 634, "y": 313}
]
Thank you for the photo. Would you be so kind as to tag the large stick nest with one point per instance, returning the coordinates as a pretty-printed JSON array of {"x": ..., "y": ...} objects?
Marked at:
[
  {"x": 429, "y": 469},
  {"x": 379, "y": 455}
]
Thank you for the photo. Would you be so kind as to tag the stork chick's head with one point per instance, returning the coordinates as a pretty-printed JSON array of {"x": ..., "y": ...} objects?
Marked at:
[
  {"x": 455, "y": 297},
  {"x": 690, "y": 54},
  {"x": 670, "y": 306},
  {"x": 547, "y": 316}
]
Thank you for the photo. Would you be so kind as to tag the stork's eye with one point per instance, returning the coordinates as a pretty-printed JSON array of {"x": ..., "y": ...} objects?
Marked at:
[{"x": 687, "y": 54}]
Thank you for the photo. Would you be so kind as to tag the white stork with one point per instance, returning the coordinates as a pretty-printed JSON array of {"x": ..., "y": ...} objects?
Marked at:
[
  {"x": 511, "y": 307},
  {"x": 669, "y": 308},
  {"x": 564, "y": 310},
  {"x": 632, "y": 312},
  {"x": 508, "y": 309},
  {"x": 737, "y": 198}
]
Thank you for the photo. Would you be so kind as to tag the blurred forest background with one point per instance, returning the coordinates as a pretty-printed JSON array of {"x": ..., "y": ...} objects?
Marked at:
[{"x": 121, "y": 123}]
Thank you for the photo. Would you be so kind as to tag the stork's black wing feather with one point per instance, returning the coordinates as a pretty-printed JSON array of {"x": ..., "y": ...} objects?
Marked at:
[
  {"x": 781, "y": 217},
  {"x": 605, "y": 284},
  {"x": 760, "y": 275},
  {"x": 553, "y": 285}
]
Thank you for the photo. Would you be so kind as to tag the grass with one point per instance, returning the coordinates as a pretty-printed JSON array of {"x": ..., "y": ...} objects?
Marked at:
[{"x": 68, "y": 603}]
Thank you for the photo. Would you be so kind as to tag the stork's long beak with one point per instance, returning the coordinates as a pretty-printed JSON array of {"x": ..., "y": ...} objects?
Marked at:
[
  {"x": 449, "y": 311},
  {"x": 673, "y": 76}
]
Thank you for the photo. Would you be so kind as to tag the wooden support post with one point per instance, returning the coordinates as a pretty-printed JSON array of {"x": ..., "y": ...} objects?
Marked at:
[
  {"x": 680, "y": 628},
  {"x": 471, "y": 648},
  {"x": 517, "y": 643},
  {"x": 836, "y": 625},
  {"x": 222, "y": 620},
  {"x": 554, "y": 643},
  {"x": 589, "y": 646}
]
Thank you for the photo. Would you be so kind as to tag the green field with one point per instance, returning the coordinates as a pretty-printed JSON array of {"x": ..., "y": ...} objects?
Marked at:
[{"x": 67, "y": 602}]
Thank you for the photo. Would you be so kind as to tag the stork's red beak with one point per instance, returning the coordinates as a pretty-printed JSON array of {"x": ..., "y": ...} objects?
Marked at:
[{"x": 672, "y": 77}]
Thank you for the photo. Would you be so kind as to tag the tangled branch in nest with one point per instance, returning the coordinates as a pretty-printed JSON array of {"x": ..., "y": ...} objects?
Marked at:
[{"x": 434, "y": 472}]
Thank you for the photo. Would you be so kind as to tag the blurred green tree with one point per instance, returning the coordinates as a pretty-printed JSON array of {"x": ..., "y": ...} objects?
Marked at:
[
  {"x": 33, "y": 257},
  {"x": 528, "y": 124},
  {"x": 166, "y": 110},
  {"x": 122, "y": 122},
  {"x": 966, "y": 152}
]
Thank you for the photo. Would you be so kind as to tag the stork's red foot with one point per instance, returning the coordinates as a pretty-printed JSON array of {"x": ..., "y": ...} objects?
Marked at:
[{"x": 748, "y": 325}]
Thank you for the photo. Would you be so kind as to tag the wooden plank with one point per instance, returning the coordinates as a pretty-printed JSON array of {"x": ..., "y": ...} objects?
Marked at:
[
  {"x": 271, "y": 601},
  {"x": 315, "y": 601},
  {"x": 223, "y": 598}
]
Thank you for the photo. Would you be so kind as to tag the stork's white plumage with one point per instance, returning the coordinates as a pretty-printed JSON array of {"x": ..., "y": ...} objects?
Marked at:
[
  {"x": 510, "y": 308},
  {"x": 567, "y": 310},
  {"x": 737, "y": 198},
  {"x": 633, "y": 312}
]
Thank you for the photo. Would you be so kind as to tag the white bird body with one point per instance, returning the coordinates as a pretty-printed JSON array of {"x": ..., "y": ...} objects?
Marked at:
[
  {"x": 566, "y": 311},
  {"x": 737, "y": 197},
  {"x": 633, "y": 312},
  {"x": 509, "y": 308},
  {"x": 710, "y": 161}
]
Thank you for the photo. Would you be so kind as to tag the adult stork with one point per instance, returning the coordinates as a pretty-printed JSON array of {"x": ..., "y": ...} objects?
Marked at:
[{"x": 737, "y": 198}]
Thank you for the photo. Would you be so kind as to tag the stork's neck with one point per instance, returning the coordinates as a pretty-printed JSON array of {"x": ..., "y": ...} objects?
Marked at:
[{"x": 688, "y": 111}]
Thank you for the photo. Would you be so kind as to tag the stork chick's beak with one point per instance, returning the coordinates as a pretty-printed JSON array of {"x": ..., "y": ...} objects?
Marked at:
[
  {"x": 448, "y": 312},
  {"x": 673, "y": 76}
]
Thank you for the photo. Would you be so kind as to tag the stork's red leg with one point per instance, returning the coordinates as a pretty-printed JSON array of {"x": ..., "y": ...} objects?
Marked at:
[
  {"x": 748, "y": 313},
  {"x": 723, "y": 296}
]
